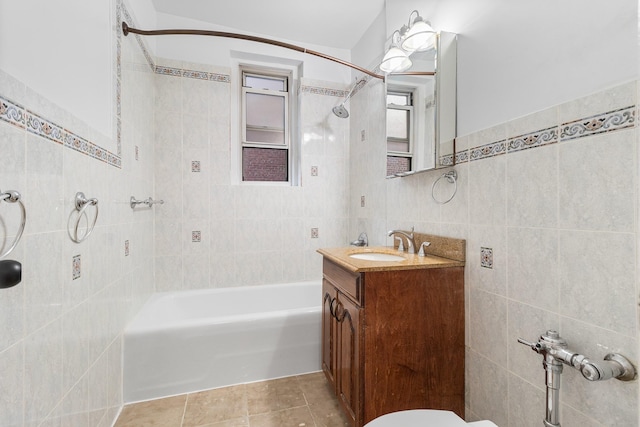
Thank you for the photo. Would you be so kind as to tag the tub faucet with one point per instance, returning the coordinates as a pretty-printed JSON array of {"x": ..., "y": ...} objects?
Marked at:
[
  {"x": 411, "y": 244},
  {"x": 362, "y": 240}
]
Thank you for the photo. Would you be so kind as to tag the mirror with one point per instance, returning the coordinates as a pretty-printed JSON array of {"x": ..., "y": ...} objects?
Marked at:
[{"x": 421, "y": 111}]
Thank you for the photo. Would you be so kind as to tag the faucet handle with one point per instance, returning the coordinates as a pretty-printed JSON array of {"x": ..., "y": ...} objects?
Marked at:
[
  {"x": 400, "y": 244},
  {"x": 362, "y": 240},
  {"x": 422, "y": 246},
  {"x": 535, "y": 346}
]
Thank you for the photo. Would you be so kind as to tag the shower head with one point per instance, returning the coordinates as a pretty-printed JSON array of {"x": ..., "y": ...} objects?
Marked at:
[{"x": 340, "y": 111}]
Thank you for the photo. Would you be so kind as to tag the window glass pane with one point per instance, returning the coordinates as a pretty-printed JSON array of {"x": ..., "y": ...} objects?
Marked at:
[
  {"x": 264, "y": 164},
  {"x": 265, "y": 135},
  {"x": 398, "y": 165},
  {"x": 258, "y": 82},
  {"x": 397, "y": 99},
  {"x": 398, "y": 146},
  {"x": 265, "y": 118},
  {"x": 397, "y": 124}
]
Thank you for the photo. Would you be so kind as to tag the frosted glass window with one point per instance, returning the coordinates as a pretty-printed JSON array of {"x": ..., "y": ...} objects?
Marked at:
[
  {"x": 398, "y": 124},
  {"x": 265, "y": 118},
  {"x": 399, "y": 99},
  {"x": 261, "y": 82}
]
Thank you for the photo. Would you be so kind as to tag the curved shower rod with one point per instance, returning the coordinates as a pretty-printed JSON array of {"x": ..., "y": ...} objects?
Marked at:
[{"x": 126, "y": 29}]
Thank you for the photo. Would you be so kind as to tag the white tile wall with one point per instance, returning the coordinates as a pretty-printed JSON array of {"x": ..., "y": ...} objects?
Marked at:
[
  {"x": 251, "y": 234},
  {"x": 60, "y": 345},
  {"x": 561, "y": 219}
]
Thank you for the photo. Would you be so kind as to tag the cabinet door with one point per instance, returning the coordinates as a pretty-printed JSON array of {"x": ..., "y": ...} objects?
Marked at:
[
  {"x": 347, "y": 316},
  {"x": 329, "y": 340}
]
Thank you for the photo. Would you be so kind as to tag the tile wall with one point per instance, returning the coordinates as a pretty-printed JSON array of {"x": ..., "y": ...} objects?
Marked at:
[
  {"x": 247, "y": 234},
  {"x": 60, "y": 347},
  {"x": 547, "y": 204}
]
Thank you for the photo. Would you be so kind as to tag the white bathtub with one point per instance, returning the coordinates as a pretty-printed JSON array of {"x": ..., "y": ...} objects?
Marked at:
[{"x": 182, "y": 342}]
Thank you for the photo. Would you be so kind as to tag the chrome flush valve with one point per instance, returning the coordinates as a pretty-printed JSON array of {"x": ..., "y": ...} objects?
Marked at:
[
  {"x": 554, "y": 350},
  {"x": 613, "y": 366}
]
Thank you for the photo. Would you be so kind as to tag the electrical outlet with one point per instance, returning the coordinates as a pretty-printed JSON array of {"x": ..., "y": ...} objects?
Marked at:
[
  {"x": 362, "y": 201},
  {"x": 126, "y": 248},
  {"x": 362, "y": 135},
  {"x": 314, "y": 171},
  {"x": 314, "y": 233}
]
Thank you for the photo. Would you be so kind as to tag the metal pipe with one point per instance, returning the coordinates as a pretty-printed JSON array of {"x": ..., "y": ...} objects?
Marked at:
[
  {"x": 553, "y": 369},
  {"x": 126, "y": 29}
]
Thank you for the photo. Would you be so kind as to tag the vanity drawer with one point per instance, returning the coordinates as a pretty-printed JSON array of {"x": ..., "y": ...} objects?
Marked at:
[{"x": 347, "y": 282}]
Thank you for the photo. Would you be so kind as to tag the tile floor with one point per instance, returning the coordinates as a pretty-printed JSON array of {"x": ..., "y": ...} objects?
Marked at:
[{"x": 299, "y": 401}]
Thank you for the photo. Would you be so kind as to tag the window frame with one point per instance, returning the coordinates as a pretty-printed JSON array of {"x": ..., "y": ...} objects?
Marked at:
[
  {"x": 410, "y": 94},
  {"x": 269, "y": 73}
]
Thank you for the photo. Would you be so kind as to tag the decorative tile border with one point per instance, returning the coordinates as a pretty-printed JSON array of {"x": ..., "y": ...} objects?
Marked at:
[
  {"x": 462, "y": 157},
  {"x": 192, "y": 74},
  {"x": 314, "y": 90},
  {"x": 15, "y": 114},
  {"x": 534, "y": 139},
  {"x": 623, "y": 118},
  {"x": 340, "y": 93},
  {"x": 446, "y": 160},
  {"x": 607, "y": 122},
  {"x": 488, "y": 150},
  {"x": 12, "y": 113}
]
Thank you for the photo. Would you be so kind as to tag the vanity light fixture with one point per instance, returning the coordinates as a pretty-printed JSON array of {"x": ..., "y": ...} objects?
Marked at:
[
  {"x": 395, "y": 60},
  {"x": 418, "y": 35}
]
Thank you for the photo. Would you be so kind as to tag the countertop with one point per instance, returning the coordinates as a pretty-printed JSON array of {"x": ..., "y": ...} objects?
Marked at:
[{"x": 341, "y": 257}]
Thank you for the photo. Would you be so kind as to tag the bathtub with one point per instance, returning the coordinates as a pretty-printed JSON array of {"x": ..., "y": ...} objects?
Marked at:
[{"x": 182, "y": 342}]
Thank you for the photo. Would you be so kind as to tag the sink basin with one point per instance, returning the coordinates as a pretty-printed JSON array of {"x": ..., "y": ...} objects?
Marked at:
[{"x": 377, "y": 256}]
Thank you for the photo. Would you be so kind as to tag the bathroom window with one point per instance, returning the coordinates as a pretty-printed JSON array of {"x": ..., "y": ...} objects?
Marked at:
[
  {"x": 265, "y": 125},
  {"x": 399, "y": 131}
]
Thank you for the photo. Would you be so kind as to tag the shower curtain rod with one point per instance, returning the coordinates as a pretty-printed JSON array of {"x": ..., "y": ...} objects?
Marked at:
[{"x": 126, "y": 29}]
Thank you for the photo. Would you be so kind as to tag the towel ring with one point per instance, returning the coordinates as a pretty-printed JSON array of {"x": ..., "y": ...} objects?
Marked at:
[
  {"x": 13, "y": 196},
  {"x": 82, "y": 203},
  {"x": 452, "y": 177}
]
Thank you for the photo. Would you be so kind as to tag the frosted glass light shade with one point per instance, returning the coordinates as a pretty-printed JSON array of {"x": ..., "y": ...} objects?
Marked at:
[
  {"x": 395, "y": 61},
  {"x": 419, "y": 37}
]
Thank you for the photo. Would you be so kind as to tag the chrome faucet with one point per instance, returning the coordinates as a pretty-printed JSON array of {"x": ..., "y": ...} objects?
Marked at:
[
  {"x": 411, "y": 244},
  {"x": 362, "y": 240}
]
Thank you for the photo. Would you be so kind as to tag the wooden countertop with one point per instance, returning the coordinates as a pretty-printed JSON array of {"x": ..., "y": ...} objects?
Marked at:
[{"x": 341, "y": 257}]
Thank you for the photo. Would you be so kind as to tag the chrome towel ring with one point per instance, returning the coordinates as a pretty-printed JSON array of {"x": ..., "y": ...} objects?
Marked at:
[
  {"x": 82, "y": 203},
  {"x": 450, "y": 176},
  {"x": 13, "y": 196}
]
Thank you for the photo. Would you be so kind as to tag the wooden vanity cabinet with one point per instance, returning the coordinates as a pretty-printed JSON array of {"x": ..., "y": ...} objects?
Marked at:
[{"x": 393, "y": 340}]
